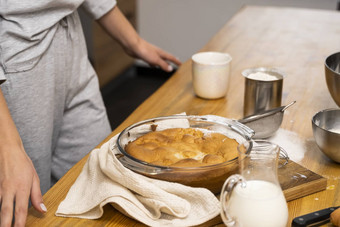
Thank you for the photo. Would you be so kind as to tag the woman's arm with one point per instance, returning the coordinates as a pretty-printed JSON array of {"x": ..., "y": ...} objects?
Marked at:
[
  {"x": 18, "y": 178},
  {"x": 119, "y": 28}
]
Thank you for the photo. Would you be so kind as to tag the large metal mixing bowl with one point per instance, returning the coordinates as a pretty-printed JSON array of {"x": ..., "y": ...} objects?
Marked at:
[
  {"x": 326, "y": 131},
  {"x": 332, "y": 72}
]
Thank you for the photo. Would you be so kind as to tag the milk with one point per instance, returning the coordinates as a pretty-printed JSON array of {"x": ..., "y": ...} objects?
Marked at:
[{"x": 260, "y": 203}]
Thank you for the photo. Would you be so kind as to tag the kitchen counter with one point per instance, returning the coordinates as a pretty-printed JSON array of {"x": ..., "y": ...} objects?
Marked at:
[{"x": 296, "y": 41}]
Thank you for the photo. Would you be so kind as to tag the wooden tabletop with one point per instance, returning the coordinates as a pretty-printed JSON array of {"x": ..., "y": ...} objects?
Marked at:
[{"x": 297, "y": 41}]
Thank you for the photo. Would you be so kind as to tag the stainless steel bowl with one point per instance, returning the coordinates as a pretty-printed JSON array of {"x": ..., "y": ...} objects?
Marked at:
[
  {"x": 332, "y": 72},
  {"x": 212, "y": 176},
  {"x": 326, "y": 131}
]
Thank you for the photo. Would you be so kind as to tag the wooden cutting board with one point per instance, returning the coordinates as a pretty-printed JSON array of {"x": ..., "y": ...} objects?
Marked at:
[{"x": 297, "y": 181}]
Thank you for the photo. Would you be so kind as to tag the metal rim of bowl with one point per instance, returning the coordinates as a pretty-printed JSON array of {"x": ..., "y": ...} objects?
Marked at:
[
  {"x": 165, "y": 168},
  {"x": 327, "y": 59},
  {"x": 318, "y": 113}
]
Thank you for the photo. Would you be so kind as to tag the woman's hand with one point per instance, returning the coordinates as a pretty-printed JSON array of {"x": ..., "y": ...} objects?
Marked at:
[
  {"x": 119, "y": 28},
  {"x": 18, "y": 178},
  {"x": 153, "y": 55}
]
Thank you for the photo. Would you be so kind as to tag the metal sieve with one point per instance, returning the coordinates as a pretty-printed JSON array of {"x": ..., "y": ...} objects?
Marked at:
[{"x": 265, "y": 124}]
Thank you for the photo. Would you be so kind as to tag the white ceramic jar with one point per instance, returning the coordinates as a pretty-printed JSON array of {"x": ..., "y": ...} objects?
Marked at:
[{"x": 210, "y": 74}]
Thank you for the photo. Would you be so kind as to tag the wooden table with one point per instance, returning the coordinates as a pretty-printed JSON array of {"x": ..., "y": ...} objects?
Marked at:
[{"x": 296, "y": 41}]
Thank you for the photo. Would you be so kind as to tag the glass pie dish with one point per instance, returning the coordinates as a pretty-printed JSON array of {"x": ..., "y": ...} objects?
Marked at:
[{"x": 211, "y": 177}]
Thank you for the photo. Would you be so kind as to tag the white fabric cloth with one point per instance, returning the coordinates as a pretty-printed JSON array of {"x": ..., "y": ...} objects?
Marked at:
[{"x": 153, "y": 202}]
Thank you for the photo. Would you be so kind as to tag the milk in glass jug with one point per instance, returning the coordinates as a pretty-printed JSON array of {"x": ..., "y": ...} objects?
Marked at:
[{"x": 254, "y": 197}]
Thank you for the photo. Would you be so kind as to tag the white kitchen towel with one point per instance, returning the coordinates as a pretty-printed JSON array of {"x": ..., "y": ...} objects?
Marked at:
[{"x": 153, "y": 202}]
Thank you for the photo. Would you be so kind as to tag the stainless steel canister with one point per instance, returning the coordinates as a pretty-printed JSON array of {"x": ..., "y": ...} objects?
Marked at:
[{"x": 262, "y": 94}]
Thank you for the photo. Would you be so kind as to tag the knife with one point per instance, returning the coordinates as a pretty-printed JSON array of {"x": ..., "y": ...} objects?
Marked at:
[{"x": 313, "y": 218}]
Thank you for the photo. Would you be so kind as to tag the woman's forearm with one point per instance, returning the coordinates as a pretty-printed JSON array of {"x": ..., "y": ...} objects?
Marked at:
[{"x": 119, "y": 28}]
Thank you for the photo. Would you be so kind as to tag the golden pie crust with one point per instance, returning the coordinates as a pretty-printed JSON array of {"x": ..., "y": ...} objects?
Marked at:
[{"x": 183, "y": 147}]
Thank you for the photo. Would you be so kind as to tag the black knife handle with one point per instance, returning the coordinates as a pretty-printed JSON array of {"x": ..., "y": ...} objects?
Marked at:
[{"x": 313, "y": 217}]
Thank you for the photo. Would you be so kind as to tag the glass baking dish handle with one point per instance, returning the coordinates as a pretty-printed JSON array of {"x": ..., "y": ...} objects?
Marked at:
[{"x": 245, "y": 130}]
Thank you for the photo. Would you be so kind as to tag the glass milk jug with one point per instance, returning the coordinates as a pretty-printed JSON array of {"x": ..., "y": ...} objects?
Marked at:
[{"x": 254, "y": 197}]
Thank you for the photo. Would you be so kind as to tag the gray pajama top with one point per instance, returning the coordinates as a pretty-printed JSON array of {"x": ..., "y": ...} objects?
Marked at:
[{"x": 27, "y": 28}]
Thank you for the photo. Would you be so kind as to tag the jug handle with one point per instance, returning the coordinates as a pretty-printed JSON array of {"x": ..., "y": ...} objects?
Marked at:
[{"x": 227, "y": 189}]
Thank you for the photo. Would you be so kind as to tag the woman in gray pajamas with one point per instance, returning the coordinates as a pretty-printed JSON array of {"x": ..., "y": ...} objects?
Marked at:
[{"x": 51, "y": 109}]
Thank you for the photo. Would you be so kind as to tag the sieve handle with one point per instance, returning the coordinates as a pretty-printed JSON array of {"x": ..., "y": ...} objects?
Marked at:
[
  {"x": 242, "y": 129},
  {"x": 290, "y": 104}
]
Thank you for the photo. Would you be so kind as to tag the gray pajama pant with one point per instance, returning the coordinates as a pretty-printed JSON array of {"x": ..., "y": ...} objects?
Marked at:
[{"x": 57, "y": 106}]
